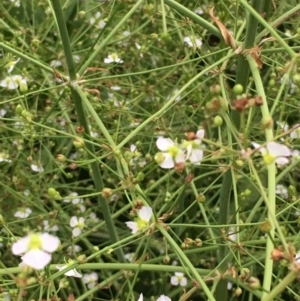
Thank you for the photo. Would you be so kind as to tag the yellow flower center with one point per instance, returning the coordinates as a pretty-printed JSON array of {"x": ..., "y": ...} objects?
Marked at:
[
  {"x": 35, "y": 242},
  {"x": 142, "y": 224},
  {"x": 268, "y": 159},
  {"x": 173, "y": 150},
  {"x": 80, "y": 225}
]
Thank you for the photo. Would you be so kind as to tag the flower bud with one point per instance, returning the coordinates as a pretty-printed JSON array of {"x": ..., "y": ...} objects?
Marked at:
[
  {"x": 61, "y": 158},
  {"x": 201, "y": 198},
  {"x": 238, "y": 89},
  {"x": 78, "y": 142},
  {"x": 107, "y": 193},
  {"x": 81, "y": 258},
  {"x": 218, "y": 121},
  {"x": 238, "y": 292},
  {"x": 19, "y": 109},
  {"x": 265, "y": 226},
  {"x": 277, "y": 255},
  {"x": 166, "y": 259},
  {"x": 254, "y": 283},
  {"x": 198, "y": 242}
]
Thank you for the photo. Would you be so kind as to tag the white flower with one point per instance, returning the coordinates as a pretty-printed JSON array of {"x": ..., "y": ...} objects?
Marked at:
[
  {"x": 199, "y": 11},
  {"x": 101, "y": 24},
  {"x": 179, "y": 279},
  {"x": 74, "y": 197},
  {"x": 93, "y": 218},
  {"x": 37, "y": 168},
  {"x": 274, "y": 152},
  {"x": 4, "y": 157},
  {"x": 161, "y": 298},
  {"x": 113, "y": 58},
  {"x": 37, "y": 249},
  {"x": 170, "y": 153},
  {"x": 295, "y": 155},
  {"x": 194, "y": 152},
  {"x": 47, "y": 227},
  {"x": 55, "y": 63},
  {"x": 282, "y": 191},
  {"x": 142, "y": 222},
  {"x": 93, "y": 19},
  {"x": 73, "y": 250},
  {"x": 13, "y": 82},
  {"x": 232, "y": 234},
  {"x": 129, "y": 257},
  {"x": 295, "y": 134},
  {"x": 23, "y": 213},
  {"x": 90, "y": 279},
  {"x": 17, "y": 3},
  {"x": 193, "y": 42},
  {"x": 77, "y": 224},
  {"x": 11, "y": 65},
  {"x": 70, "y": 273},
  {"x": 115, "y": 88}
]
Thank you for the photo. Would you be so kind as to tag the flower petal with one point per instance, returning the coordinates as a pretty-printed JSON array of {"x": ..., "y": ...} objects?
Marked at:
[
  {"x": 164, "y": 298},
  {"x": 21, "y": 246},
  {"x": 50, "y": 243},
  {"x": 36, "y": 259},
  {"x": 168, "y": 162},
  {"x": 164, "y": 143},
  {"x": 73, "y": 221},
  {"x": 133, "y": 226},
  {"x": 145, "y": 213},
  {"x": 174, "y": 280},
  {"x": 141, "y": 298},
  {"x": 278, "y": 150}
]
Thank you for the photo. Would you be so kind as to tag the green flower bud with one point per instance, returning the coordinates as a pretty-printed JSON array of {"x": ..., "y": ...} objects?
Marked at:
[
  {"x": 238, "y": 89},
  {"x": 218, "y": 121},
  {"x": 78, "y": 142}
]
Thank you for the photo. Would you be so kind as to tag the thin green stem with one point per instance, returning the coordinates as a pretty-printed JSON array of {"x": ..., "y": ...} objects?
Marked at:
[
  {"x": 186, "y": 262},
  {"x": 243, "y": 70},
  {"x": 194, "y": 17},
  {"x": 265, "y": 24},
  {"x": 109, "y": 37},
  {"x": 97, "y": 177}
]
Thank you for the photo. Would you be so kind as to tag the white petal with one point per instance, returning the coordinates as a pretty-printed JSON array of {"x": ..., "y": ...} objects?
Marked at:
[
  {"x": 73, "y": 221},
  {"x": 163, "y": 298},
  {"x": 50, "y": 243},
  {"x": 278, "y": 150},
  {"x": 196, "y": 156},
  {"x": 145, "y": 213},
  {"x": 168, "y": 162},
  {"x": 179, "y": 274},
  {"x": 133, "y": 226},
  {"x": 73, "y": 273},
  {"x": 282, "y": 161},
  {"x": 21, "y": 246},
  {"x": 36, "y": 259},
  {"x": 200, "y": 134},
  {"x": 180, "y": 157},
  {"x": 261, "y": 149},
  {"x": 174, "y": 280},
  {"x": 141, "y": 297},
  {"x": 76, "y": 232},
  {"x": 183, "y": 281},
  {"x": 164, "y": 143}
]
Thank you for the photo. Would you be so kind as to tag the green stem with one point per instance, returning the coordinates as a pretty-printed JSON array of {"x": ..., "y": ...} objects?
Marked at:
[
  {"x": 271, "y": 199},
  {"x": 221, "y": 290},
  {"x": 289, "y": 278},
  {"x": 194, "y": 17},
  {"x": 243, "y": 70},
  {"x": 186, "y": 262},
  {"x": 265, "y": 24},
  {"x": 109, "y": 37},
  {"x": 97, "y": 177}
]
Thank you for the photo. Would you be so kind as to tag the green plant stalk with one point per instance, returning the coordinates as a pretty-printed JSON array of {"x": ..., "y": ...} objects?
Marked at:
[
  {"x": 267, "y": 9},
  {"x": 243, "y": 70},
  {"x": 267, "y": 282},
  {"x": 289, "y": 278},
  {"x": 187, "y": 263},
  {"x": 194, "y": 17},
  {"x": 277, "y": 22},
  {"x": 221, "y": 289},
  {"x": 265, "y": 24},
  {"x": 97, "y": 177},
  {"x": 109, "y": 37}
]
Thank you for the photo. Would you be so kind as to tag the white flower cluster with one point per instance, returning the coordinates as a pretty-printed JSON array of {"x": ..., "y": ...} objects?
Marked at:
[{"x": 173, "y": 153}]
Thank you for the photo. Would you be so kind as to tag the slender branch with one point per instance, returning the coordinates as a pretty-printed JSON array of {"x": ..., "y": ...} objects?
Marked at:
[{"x": 97, "y": 177}]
